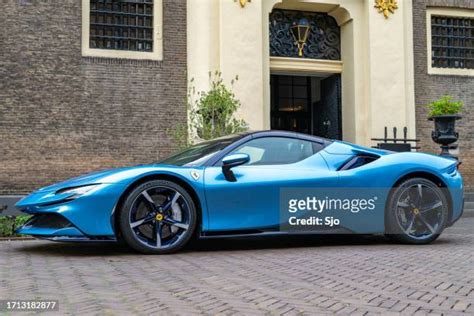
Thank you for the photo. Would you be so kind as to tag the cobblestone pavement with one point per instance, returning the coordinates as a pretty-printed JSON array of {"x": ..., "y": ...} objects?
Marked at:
[{"x": 317, "y": 275}]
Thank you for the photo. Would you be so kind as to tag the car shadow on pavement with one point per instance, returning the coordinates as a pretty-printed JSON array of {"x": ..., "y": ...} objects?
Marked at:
[
  {"x": 210, "y": 245},
  {"x": 285, "y": 242},
  {"x": 48, "y": 248}
]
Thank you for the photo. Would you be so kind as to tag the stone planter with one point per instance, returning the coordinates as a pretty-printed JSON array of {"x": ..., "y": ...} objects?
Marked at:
[{"x": 445, "y": 131}]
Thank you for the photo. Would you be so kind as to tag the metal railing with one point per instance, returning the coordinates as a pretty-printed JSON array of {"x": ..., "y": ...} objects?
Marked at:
[{"x": 396, "y": 144}]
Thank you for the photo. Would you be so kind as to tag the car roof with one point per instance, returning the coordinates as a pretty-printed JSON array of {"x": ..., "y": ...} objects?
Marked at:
[{"x": 278, "y": 133}]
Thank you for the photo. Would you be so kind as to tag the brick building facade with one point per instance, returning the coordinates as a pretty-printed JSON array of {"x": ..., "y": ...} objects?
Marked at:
[
  {"x": 63, "y": 114},
  {"x": 429, "y": 87}
]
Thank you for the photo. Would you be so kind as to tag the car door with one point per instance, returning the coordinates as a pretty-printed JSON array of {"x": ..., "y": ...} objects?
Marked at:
[{"x": 253, "y": 200}]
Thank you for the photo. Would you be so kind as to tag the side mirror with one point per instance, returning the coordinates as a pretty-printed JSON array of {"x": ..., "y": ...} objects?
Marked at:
[{"x": 232, "y": 161}]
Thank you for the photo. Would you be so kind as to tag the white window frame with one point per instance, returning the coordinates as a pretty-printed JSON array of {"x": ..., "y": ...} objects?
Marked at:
[
  {"x": 450, "y": 12},
  {"x": 156, "y": 54}
]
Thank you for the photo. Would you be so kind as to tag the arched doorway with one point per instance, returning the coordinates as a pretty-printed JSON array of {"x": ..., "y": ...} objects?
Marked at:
[{"x": 305, "y": 80}]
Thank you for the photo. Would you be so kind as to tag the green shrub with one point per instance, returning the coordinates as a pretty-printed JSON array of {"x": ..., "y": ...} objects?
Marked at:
[
  {"x": 8, "y": 224},
  {"x": 179, "y": 134},
  {"x": 444, "y": 106},
  {"x": 212, "y": 115}
]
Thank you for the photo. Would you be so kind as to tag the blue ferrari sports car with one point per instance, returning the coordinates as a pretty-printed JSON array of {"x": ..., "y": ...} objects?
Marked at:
[{"x": 250, "y": 184}]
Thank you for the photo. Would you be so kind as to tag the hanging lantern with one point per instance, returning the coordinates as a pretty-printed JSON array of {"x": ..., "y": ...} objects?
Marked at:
[{"x": 300, "y": 32}]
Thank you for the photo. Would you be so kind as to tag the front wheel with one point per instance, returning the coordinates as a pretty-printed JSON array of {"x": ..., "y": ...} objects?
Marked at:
[
  {"x": 417, "y": 212},
  {"x": 158, "y": 217}
]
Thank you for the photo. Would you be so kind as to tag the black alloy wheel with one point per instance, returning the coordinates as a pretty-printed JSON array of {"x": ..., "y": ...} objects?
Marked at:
[
  {"x": 417, "y": 212},
  {"x": 158, "y": 217}
]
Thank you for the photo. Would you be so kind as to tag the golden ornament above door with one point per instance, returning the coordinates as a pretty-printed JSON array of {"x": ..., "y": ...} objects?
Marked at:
[
  {"x": 244, "y": 2},
  {"x": 386, "y": 6}
]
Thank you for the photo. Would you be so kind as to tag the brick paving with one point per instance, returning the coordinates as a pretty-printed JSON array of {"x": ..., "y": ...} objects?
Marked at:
[{"x": 291, "y": 276}]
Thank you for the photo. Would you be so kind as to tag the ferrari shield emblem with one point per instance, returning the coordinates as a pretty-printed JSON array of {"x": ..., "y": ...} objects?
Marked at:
[{"x": 195, "y": 175}]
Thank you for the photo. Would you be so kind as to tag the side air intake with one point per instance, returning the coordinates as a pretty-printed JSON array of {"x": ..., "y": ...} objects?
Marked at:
[{"x": 358, "y": 161}]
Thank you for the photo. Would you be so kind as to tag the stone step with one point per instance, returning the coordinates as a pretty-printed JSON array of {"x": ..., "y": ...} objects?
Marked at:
[
  {"x": 468, "y": 203},
  {"x": 7, "y": 205},
  {"x": 469, "y": 196}
]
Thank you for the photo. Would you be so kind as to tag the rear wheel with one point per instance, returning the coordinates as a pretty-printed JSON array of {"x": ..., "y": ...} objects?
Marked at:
[
  {"x": 158, "y": 217},
  {"x": 417, "y": 212}
]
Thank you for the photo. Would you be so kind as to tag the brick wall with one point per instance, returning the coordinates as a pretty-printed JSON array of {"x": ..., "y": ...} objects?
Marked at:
[
  {"x": 62, "y": 115},
  {"x": 431, "y": 87}
]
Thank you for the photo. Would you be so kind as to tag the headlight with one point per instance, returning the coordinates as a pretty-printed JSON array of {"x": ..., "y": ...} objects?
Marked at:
[{"x": 77, "y": 191}]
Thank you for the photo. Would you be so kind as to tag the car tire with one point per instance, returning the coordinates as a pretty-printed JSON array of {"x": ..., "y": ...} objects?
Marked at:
[
  {"x": 417, "y": 212},
  {"x": 150, "y": 202}
]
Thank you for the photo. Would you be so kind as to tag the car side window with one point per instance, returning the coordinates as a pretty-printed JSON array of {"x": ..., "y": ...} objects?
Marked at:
[{"x": 276, "y": 150}]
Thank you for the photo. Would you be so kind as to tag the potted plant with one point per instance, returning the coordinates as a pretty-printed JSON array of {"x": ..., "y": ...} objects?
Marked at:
[{"x": 445, "y": 112}]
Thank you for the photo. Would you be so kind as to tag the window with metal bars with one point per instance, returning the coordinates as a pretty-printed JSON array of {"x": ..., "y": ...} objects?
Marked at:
[
  {"x": 452, "y": 42},
  {"x": 121, "y": 25}
]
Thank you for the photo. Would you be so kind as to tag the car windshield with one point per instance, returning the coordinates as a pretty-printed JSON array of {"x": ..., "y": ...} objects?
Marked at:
[{"x": 198, "y": 154}]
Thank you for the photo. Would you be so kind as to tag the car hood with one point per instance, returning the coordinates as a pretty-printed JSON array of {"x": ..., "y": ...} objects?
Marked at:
[
  {"x": 119, "y": 178},
  {"x": 112, "y": 176}
]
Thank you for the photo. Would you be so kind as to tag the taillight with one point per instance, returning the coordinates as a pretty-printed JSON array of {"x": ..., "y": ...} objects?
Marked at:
[{"x": 458, "y": 165}]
